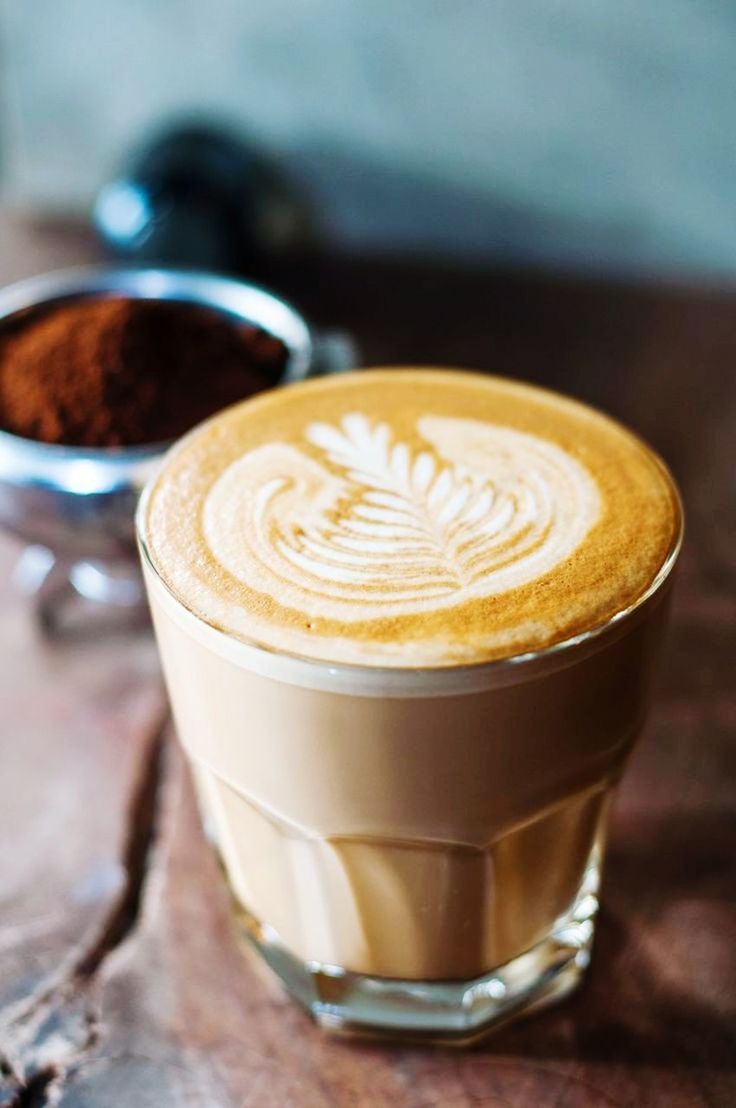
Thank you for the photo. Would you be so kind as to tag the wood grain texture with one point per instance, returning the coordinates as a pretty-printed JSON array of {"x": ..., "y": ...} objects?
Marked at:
[{"x": 121, "y": 981}]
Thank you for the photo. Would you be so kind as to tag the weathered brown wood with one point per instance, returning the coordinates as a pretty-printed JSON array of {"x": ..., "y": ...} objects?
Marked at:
[{"x": 121, "y": 982}]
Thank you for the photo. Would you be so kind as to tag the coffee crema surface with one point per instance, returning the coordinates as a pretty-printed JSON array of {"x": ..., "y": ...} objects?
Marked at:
[{"x": 410, "y": 518}]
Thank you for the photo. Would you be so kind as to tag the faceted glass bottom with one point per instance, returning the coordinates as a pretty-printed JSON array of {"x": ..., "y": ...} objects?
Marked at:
[{"x": 451, "y": 1012}]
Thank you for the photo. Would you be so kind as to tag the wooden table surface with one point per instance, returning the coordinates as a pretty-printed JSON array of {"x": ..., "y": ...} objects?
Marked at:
[{"x": 121, "y": 984}]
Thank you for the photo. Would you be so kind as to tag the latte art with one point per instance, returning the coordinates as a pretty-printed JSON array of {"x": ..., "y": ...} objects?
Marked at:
[
  {"x": 409, "y": 518},
  {"x": 373, "y": 524}
]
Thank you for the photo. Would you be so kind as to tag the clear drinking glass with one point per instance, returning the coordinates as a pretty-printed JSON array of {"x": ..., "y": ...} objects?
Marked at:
[{"x": 413, "y": 852}]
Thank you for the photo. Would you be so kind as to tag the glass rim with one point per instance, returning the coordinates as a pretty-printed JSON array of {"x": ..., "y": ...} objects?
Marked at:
[{"x": 363, "y": 679}]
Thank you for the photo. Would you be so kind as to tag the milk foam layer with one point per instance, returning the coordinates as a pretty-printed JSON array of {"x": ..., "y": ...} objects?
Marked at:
[
  {"x": 482, "y": 510},
  {"x": 410, "y": 518}
]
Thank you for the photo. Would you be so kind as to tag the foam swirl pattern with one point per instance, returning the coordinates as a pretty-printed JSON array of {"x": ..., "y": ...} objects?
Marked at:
[
  {"x": 374, "y": 524},
  {"x": 410, "y": 518}
]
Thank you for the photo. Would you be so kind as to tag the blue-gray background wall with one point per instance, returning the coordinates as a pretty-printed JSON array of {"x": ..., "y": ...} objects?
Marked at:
[{"x": 583, "y": 132}]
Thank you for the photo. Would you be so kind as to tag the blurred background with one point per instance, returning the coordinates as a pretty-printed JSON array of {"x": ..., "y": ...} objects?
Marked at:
[{"x": 592, "y": 134}]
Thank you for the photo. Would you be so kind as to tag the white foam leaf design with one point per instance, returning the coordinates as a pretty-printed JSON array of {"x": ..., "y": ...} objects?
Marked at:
[
  {"x": 367, "y": 521},
  {"x": 435, "y": 514}
]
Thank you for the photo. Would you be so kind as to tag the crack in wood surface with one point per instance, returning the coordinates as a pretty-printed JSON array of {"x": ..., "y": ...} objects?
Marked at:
[
  {"x": 63, "y": 1020},
  {"x": 140, "y": 840}
]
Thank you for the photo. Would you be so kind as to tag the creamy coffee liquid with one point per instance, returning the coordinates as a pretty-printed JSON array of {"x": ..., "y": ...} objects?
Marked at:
[{"x": 410, "y": 518}]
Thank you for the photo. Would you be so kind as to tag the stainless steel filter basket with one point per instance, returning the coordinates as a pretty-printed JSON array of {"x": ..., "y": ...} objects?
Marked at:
[{"x": 74, "y": 506}]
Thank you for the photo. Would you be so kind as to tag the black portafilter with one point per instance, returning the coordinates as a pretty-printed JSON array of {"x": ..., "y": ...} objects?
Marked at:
[{"x": 198, "y": 194}]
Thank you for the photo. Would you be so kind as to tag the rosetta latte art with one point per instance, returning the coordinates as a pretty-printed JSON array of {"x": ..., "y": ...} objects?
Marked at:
[{"x": 357, "y": 524}]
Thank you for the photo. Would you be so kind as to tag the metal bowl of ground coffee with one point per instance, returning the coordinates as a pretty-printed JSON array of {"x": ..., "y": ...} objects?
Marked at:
[{"x": 78, "y": 441}]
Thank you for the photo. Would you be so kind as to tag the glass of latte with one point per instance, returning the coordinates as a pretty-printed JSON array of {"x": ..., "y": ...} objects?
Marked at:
[{"x": 407, "y": 619}]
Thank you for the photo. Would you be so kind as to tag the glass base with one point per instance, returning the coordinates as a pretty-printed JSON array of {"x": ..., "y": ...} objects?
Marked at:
[{"x": 449, "y": 1012}]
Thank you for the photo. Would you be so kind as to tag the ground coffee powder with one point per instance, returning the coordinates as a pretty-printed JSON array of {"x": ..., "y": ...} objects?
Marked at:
[{"x": 120, "y": 371}]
